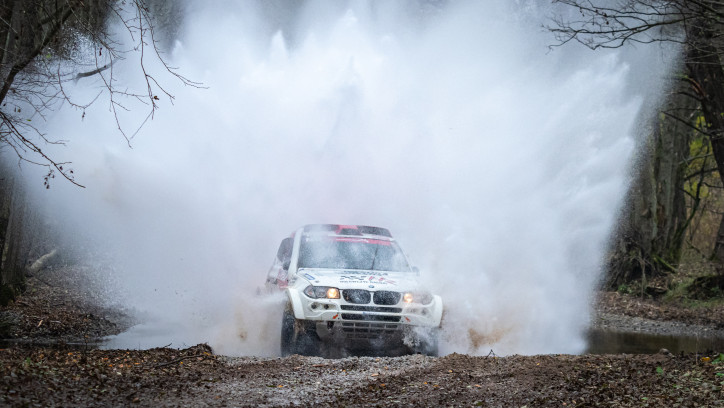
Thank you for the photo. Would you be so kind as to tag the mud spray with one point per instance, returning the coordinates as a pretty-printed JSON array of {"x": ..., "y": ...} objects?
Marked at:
[{"x": 500, "y": 166}]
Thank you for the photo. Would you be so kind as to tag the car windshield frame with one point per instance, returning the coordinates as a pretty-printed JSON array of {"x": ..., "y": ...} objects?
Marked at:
[{"x": 351, "y": 253}]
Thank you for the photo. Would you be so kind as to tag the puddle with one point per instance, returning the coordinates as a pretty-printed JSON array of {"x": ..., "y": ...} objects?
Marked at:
[
  {"x": 154, "y": 334},
  {"x": 602, "y": 341}
]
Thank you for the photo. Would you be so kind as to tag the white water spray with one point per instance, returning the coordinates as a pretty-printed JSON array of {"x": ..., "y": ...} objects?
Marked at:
[{"x": 499, "y": 166}]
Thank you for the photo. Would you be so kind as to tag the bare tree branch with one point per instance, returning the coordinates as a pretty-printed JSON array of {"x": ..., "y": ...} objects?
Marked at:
[{"x": 47, "y": 43}]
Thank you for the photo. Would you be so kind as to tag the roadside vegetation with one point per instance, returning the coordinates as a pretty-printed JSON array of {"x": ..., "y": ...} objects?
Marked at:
[
  {"x": 45, "y": 47},
  {"x": 671, "y": 243}
]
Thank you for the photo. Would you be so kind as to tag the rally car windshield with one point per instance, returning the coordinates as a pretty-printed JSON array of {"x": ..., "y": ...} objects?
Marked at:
[{"x": 363, "y": 254}]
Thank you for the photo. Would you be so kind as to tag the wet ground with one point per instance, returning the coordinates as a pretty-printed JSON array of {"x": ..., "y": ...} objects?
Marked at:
[
  {"x": 36, "y": 369},
  {"x": 603, "y": 341},
  {"x": 629, "y": 324},
  {"x": 196, "y": 377}
]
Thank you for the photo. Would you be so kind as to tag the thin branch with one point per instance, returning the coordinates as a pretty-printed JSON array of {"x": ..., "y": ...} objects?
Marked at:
[
  {"x": 91, "y": 73},
  {"x": 13, "y": 131}
]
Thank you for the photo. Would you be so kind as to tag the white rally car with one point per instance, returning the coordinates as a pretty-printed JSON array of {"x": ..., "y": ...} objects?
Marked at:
[{"x": 350, "y": 287}]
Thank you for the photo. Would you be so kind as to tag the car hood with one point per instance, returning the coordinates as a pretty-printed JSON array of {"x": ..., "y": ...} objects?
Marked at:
[{"x": 360, "y": 279}]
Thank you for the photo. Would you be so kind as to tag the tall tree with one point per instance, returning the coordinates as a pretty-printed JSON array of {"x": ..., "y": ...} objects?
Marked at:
[
  {"x": 696, "y": 24},
  {"x": 651, "y": 233}
]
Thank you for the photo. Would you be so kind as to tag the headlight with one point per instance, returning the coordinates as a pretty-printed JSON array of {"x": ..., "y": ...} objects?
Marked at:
[
  {"x": 417, "y": 297},
  {"x": 321, "y": 292}
]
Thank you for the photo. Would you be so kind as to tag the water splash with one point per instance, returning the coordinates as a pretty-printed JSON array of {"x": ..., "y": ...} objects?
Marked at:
[{"x": 500, "y": 166}]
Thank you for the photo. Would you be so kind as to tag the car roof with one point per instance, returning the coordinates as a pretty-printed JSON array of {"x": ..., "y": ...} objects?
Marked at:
[{"x": 347, "y": 230}]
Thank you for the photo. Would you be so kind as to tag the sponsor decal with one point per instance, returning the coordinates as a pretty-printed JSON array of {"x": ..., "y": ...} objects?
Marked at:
[
  {"x": 378, "y": 280},
  {"x": 309, "y": 277}
]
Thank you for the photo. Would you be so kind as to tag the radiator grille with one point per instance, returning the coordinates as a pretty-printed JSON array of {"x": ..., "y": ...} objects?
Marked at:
[
  {"x": 358, "y": 296},
  {"x": 385, "y": 297}
]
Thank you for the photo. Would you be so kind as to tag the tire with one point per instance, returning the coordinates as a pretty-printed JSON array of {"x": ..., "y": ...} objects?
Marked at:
[
  {"x": 430, "y": 349},
  {"x": 428, "y": 344},
  {"x": 287, "y": 339},
  {"x": 298, "y": 336}
]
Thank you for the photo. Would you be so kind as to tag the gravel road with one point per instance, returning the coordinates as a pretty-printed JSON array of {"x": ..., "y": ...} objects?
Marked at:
[
  {"x": 34, "y": 373},
  {"x": 196, "y": 377}
]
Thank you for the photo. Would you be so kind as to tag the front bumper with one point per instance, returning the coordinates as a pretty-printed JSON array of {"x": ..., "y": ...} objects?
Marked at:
[{"x": 337, "y": 317}]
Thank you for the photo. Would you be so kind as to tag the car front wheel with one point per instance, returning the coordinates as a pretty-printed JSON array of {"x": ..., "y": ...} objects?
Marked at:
[{"x": 298, "y": 336}]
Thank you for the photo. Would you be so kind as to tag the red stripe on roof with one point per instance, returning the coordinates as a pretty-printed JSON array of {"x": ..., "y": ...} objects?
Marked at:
[{"x": 344, "y": 227}]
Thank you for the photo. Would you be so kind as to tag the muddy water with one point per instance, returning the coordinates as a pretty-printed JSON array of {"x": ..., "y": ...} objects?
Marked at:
[{"x": 602, "y": 341}]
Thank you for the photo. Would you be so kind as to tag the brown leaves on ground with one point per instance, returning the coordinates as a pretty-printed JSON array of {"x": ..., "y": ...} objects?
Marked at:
[
  {"x": 197, "y": 377},
  {"x": 43, "y": 376},
  {"x": 69, "y": 377},
  {"x": 61, "y": 305}
]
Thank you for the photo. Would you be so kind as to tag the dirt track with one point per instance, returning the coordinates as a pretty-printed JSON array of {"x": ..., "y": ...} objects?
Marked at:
[
  {"x": 196, "y": 377},
  {"x": 34, "y": 375}
]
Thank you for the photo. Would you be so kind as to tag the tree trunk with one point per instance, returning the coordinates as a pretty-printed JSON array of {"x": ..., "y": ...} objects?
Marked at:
[
  {"x": 707, "y": 77},
  {"x": 649, "y": 240},
  {"x": 11, "y": 267}
]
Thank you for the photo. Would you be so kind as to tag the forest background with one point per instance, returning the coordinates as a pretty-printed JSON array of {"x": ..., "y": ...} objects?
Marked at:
[{"x": 669, "y": 244}]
